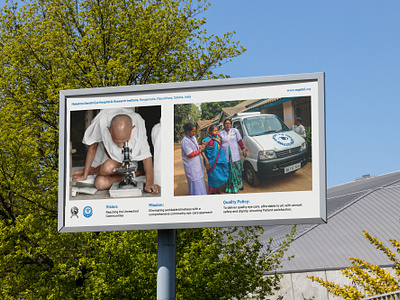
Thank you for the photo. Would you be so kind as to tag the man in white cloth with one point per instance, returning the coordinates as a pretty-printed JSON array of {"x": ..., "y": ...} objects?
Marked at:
[
  {"x": 299, "y": 128},
  {"x": 106, "y": 137},
  {"x": 156, "y": 140}
]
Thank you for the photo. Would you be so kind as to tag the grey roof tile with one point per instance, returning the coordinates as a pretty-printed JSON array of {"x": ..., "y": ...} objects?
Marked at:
[{"x": 370, "y": 204}]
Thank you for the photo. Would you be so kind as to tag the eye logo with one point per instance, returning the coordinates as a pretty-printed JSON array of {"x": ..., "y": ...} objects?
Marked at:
[
  {"x": 283, "y": 139},
  {"x": 88, "y": 211}
]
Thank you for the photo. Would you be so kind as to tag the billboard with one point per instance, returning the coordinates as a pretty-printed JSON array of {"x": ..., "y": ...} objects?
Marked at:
[{"x": 247, "y": 151}]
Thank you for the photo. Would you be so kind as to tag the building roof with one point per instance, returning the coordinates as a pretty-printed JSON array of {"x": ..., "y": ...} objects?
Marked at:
[
  {"x": 241, "y": 107},
  {"x": 229, "y": 111},
  {"x": 370, "y": 204},
  {"x": 259, "y": 104},
  {"x": 244, "y": 106},
  {"x": 204, "y": 123}
]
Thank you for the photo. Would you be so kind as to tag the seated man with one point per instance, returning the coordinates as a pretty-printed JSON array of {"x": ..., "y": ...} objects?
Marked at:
[{"x": 106, "y": 137}]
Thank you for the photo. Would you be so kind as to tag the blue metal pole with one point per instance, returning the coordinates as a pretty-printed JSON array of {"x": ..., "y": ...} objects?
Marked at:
[{"x": 166, "y": 264}]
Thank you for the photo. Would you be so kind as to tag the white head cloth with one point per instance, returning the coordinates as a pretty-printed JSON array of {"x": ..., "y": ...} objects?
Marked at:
[{"x": 98, "y": 132}]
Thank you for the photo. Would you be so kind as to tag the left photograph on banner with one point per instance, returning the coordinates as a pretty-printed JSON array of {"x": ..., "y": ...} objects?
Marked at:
[{"x": 115, "y": 152}]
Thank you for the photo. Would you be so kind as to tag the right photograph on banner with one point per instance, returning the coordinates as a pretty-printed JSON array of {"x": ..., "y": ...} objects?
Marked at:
[{"x": 246, "y": 146}]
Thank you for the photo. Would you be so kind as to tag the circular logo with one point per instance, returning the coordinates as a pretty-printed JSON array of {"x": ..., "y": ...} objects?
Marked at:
[
  {"x": 283, "y": 139},
  {"x": 74, "y": 212},
  {"x": 88, "y": 211}
]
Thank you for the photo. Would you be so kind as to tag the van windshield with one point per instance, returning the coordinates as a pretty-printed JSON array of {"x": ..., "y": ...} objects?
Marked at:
[{"x": 261, "y": 125}]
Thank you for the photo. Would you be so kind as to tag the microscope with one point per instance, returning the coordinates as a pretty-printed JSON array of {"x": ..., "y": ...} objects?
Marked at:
[
  {"x": 128, "y": 186},
  {"x": 127, "y": 169}
]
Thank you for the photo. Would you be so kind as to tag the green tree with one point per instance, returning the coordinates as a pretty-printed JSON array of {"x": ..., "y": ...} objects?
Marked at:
[
  {"x": 48, "y": 46},
  {"x": 210, "y": 110},
  {"x": 367, "y": 279},
  {"x": 227, "y": 264},
  {"x": 184, "y": 113}
]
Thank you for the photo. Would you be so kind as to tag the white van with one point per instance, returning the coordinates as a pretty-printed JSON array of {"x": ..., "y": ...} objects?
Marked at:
[{"x": 272, "y": 148}]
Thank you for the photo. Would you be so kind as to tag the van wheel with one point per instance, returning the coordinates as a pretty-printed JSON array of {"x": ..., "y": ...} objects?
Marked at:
[{"x": 250, "y": 175}]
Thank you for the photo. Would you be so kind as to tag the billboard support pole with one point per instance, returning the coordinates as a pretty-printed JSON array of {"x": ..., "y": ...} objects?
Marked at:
[{"x": 166, "y": 264}]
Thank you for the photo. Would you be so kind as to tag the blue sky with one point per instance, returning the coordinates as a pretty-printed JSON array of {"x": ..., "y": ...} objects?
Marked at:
[{"x": 356, "y": 44}]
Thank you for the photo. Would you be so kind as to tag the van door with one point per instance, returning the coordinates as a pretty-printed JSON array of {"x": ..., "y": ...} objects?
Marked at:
[{"x": 238, "y": 126}]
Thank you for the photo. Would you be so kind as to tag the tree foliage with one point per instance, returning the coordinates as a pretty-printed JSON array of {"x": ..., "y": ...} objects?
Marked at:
[
  {"x": 48, "y": 46},
  {"x": 227, "y": 264},
  {"x": 184, "y": 113},
  {"x": 367, "y": 279},
  {"x": 210, "y": 110}
]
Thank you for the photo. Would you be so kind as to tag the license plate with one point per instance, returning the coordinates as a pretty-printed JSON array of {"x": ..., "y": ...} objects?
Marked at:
[{"x": 292, "y": 168}]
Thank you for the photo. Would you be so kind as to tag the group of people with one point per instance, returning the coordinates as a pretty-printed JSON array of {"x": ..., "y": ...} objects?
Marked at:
[{"x": 221, "y": 157}]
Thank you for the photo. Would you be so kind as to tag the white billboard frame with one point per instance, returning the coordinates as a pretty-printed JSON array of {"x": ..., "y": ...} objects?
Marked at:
[{"x": 108, "y": 214}]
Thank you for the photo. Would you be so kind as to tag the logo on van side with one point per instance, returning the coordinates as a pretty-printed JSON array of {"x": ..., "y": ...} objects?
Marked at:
[{"x": 283, "y": 139}]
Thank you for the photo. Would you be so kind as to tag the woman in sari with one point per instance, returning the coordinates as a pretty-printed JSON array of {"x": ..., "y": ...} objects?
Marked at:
[
  {"x": 215, "y": 161},
  {"x": 231, "y": 141}
]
